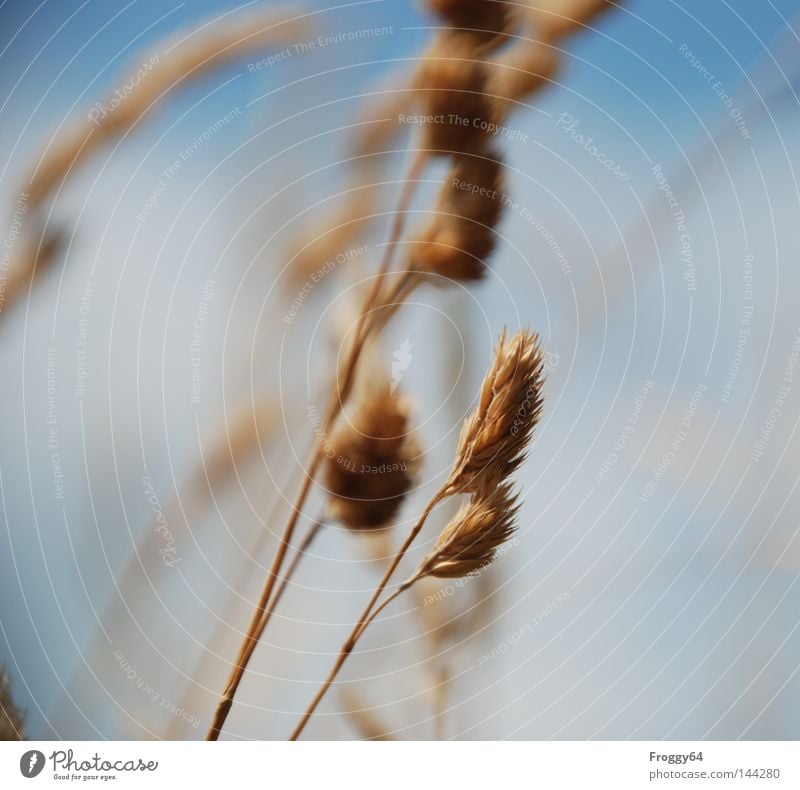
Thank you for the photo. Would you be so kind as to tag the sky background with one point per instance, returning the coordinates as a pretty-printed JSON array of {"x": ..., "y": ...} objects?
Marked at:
[{"x": 616, "y": 615}]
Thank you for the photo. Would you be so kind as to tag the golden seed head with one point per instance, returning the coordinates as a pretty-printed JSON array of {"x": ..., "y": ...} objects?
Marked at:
[
  {"x": 484, "y": 23},
  {"x": 471, "y": 539},
  {"x": 555, "y": 19},
  {"x": 450, "y": 93},
  {"x": 495, "y": 438},
  {"x": 372, "y": 461},
  {"x": 461, "y": 236}
]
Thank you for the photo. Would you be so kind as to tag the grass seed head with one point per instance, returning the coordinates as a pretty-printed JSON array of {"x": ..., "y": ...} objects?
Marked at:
[
  {"x": 460, "y": 238},
  {"x": 372, "y": 461},
  {"x": 450, "y": 93},
  {"x": 471, "y": 539}
]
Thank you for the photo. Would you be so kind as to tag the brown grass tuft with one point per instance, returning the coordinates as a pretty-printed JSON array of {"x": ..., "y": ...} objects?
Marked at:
[
  {"x": 456, "y": 244},
  {"x": 372, "y": 461}
]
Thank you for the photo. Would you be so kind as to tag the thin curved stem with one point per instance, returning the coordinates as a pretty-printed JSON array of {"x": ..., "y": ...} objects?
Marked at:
[
  {"x": 312, "y": 533},
  {"x": 335, "y": 405},
  {"x": 401, "y": 589},
  {"x": 365, "y": 618}
]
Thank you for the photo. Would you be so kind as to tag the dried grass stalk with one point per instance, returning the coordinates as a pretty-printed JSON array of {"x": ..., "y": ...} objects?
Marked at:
[
  {"x": 364, "y": 719},
  {"x": 492, "y": 445},
  {"x": 379, "y": 123}
]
